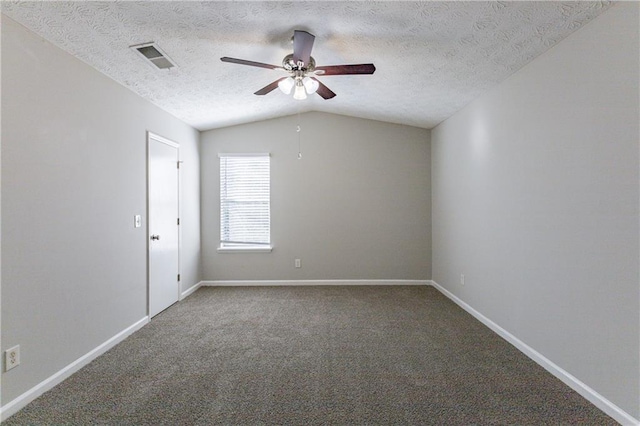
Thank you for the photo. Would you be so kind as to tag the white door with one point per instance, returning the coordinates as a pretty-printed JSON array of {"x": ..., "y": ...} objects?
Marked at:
[{"x": 164, "y": 242}]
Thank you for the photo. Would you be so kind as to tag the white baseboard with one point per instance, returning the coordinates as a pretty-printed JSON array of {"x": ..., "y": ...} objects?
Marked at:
[
  {"x": 188, "y": 292},
  {"x": 20, "y": 402},
  {"x": 240, "y": 283},
  {"x": 574, "y": 383}
]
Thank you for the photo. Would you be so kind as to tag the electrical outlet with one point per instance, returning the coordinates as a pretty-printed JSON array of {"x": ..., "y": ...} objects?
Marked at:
[
  {"x": 462, "y": 279},
  {"x": 12, "y": 358},
  {"x": 297, "y": 263}
]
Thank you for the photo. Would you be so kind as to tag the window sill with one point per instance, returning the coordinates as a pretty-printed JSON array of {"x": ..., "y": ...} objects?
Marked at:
[{"x": 245, "y": 249}]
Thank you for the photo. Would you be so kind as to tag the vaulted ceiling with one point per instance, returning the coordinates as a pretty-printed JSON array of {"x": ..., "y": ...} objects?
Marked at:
[{"x": 432, "y": 58}]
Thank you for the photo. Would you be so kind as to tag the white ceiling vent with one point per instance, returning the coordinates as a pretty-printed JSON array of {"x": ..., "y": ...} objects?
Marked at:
[{"x": 152, "y": 53}]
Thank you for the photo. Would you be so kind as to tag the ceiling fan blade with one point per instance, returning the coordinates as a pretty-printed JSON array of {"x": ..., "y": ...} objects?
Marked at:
[
  {"x": 250, "y": 63},
  {"x": 347, "y": 69},
  {"x": 302, "y": 45},
  {"x": 323, "y": 90},
  {"x": 269, "y": 87}
]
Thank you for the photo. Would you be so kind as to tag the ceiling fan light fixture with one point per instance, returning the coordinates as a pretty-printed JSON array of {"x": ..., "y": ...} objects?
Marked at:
[
  {"x": 299, "y": 94},
  {"x": 310, "y": 85},
  {"x": 286, "y": 85}
]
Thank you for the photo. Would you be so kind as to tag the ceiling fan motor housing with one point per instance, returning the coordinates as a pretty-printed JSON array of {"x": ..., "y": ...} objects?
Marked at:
[{"x": 290, "y": 65}]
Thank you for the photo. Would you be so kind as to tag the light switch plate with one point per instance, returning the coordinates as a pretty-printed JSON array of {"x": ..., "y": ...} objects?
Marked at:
[{"x": 137, "y": 221}]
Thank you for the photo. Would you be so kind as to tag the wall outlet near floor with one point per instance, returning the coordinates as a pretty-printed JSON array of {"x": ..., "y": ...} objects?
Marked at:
[
  {"x": 11, "y": 358},
  {"x": 297, "y": 263},
  {"x": 462, "y": 279}
]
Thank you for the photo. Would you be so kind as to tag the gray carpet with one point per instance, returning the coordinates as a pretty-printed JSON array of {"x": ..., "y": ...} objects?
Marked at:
[{"x": 312, "y": 355}]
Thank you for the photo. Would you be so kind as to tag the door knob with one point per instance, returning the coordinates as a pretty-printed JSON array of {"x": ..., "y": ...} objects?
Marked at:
[{"x": 155, "y": 237}]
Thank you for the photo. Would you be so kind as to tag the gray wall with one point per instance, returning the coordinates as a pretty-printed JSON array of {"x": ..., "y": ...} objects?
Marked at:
[
  {"x": 535, "y": 200},
  {"x": 356, "y": 206},
  {"x": 73, "y": 176}
]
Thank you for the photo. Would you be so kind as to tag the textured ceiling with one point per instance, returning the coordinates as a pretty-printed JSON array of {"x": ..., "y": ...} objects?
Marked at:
[{"x": 432, "y": 58}]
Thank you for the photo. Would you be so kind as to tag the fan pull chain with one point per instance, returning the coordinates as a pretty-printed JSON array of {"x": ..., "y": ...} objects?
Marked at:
[{"x": 298, "y": 129}]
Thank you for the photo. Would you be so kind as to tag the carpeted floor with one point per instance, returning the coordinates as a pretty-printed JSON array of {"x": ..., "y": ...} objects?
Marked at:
[{"x": 312, "y": 355}]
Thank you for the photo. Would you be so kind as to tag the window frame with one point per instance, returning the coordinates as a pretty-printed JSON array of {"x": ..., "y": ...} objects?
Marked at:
[{"x": 249, "y": 248}]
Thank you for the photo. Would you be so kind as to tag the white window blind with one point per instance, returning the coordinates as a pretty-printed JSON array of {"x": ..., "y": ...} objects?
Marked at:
[{"x": 245, "y": 201}]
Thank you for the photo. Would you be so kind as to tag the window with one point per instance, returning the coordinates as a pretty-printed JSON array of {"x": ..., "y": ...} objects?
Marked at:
[{"x": 245, "y": 202}]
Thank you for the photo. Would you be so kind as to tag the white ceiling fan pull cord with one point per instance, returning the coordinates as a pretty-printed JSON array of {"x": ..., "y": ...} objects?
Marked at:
[{"x": 298, "y": 129}]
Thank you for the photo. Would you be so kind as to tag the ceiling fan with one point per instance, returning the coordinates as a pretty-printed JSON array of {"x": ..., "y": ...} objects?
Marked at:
[{"x": 302, "y": 70}]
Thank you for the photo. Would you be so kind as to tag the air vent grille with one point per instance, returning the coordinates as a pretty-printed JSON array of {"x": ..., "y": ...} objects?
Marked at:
[{"x": 154, "y": 55}]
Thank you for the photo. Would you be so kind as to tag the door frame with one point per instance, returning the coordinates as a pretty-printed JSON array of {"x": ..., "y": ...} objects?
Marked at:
[{"x": 157, "y": 138}]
